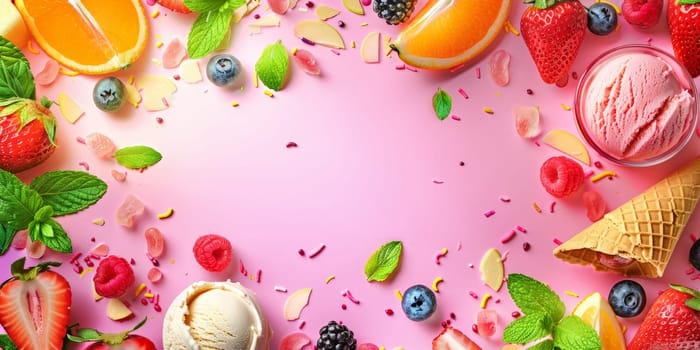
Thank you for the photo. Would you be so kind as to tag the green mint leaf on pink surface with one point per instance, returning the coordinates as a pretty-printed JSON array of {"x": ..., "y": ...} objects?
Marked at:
[
  {"x": 531, "y": 296},
  {"x": 574, "y": 334},
  {"x": 7, "y": 234},
  {"x": 69, "y": 192},
  {"x": 18, "y": 203},
  {"x": 208, "y": 30},
  {"x": 16, "y": 79},
  {"x": 137, "y": 157},
  {"x": 384, "y": 261},
  {"x": 272, "y": 67},
  {"x": 204, "y": 5},
  {"x": 442, "y": 104},
  {"x": 528, "y": 328}
]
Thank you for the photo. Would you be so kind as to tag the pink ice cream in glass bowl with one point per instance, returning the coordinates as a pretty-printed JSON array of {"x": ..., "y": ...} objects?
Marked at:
[{"x": 636, "y": 105}]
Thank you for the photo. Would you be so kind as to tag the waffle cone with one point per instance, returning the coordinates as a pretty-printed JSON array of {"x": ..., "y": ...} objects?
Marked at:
[{"x": 638, "y": 238}]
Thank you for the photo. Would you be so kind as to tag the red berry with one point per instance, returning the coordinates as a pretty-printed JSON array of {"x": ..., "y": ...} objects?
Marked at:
[
  {"x": 113, "y": 277},
  {"x": 561, "y": 176},
  {"x": 213, "y": 252},
  {"x": 642, "y": 13},
  {"x": 595, "y": 205}
]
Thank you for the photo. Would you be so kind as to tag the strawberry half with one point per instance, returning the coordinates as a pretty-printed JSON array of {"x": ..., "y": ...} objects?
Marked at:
[
  {"x": 113, "y": 341},
  {"x": 34, "y": 306},
  {"x": 553, "y": 31},
  {"x": 684, "y": 26},
  {"x": 673, "y": 322},
  {"x": 453, "y": 339},
  {"x": 174, "y": 5},
  {"x": 27, "y": 133}
]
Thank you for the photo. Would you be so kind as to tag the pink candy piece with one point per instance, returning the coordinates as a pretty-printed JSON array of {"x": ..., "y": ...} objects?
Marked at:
[
  {"x": 527, "y": 121},
  {"x": 155, "y": 275},
  {"x": 101, "y": 145},
  {"x": 174, "y": 54},
  {"x": 119, "y": 175},
  {"x": 307, "y": 62},
  {"x": 36, "y": 249},
  {"x": 486, "y": 322},
  {"x": 367, "y": 346},
  {"x": 21, "y": 239},
  {"x": 48, "y": 74},
  {"x": 155, "y": 244},
  {"x": 499, "y": 67},
  {"x": 130, "y": 208},
  {"x": 101, "y": 249},
  {"x": 295, "y": 341},
  {"x": 279, "y": 7},
  {"x": 595, "y": 205}
]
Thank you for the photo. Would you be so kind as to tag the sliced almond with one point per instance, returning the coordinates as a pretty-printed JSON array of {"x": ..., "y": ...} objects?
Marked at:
[
  {"x": 354, "y": 6},
  {"x": 95, "y": 296},
  {"x": 324, "y": 12},
  {"x": 566, "y": 142},
  {"x": 271, "y": 20},
  {"x": 369, "y": 51},
  {"x": 296, "y": 302},
  {"x": 492, "y": 270},
  {"x": 69, "y": 108},
  {"x": 320, "y": 33},
  {"x": 157, "y": 91},
  {"x": 132, "y": 95},
  {"x": 117, "y": 310},
  {"x": 190, "y": 71}
]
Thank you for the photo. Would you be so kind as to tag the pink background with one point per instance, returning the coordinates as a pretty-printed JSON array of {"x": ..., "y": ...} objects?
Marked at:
[{"x": 369, "y": 149}]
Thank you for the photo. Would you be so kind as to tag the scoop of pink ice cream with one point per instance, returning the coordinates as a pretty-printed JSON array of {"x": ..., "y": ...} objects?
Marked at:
[{"x": 635, "y": 108}]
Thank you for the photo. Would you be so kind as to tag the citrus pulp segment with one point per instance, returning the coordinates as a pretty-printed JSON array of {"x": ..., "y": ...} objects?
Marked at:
[
  {"x": 88, "y": 36},
  {"x": 596, "y": 312},
  {"x": 448, "y": 33}
]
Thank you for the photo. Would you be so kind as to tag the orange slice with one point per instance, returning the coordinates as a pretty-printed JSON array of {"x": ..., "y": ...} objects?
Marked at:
[
  {"x": 448, "y": 33},
  {"x": 88, "y": 36},
  {"x": 596, "y": 312}
]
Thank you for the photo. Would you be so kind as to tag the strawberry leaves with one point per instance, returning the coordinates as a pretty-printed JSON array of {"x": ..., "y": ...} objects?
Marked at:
[
  {"x": 16, "y": 79},
  {"x": 694, "y": 302}
]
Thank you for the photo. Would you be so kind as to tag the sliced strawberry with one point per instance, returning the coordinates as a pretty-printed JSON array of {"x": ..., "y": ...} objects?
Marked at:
[
  {"x": 452, "y": 339},
  {"x": 174, "y": 5},
  {"x": 34, "y": 307}
]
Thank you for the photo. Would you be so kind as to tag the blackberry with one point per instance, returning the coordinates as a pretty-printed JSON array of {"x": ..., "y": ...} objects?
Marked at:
[
  {"x": 336, "y": 336},
  {"x": 394, "y": 11}
]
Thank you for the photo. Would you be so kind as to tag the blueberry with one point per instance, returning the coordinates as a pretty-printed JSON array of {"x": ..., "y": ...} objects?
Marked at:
[
  {"x": 602, "y": 18},
  {"x": 224, "y": 70},
  {"x": 695, "y": 254},
  {"x": 627, "y": 298},
  {"x": 109, "y": 94},
  {"x": 418, "y": 302}
]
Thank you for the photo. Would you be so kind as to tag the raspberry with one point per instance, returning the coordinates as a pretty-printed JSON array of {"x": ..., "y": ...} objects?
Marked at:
[
  {"x": 561, "y": 176},
  {"x": 642, "y": 13},
  {"x": 213, "y": 252},
  {"x": 113, "y": 277}
]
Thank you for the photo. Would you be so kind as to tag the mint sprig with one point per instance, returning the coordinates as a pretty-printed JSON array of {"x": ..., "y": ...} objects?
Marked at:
[
  {"x": 543, "y": 322},
  {"x": 211, "y": 26},
  {"x": 384, "y": 261},
  {"x": 16, "y": 79},
  {"x": 33, "y": 207}
]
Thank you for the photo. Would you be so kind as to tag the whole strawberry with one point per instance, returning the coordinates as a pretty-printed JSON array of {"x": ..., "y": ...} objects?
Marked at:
[
  {"x": 684, "y": 26},
  {"x": 34, "y": 306},
  {"x": 553, "y": 31},
  {"x": 673, "y": 322},
  {"x": 27, "y": 133},
  {"x": 113, "y": 341}
]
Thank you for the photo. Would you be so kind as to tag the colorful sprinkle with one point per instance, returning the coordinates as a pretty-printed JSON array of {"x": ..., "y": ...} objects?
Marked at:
[
  {"x": 478, "y": 73},
  {"x": 551, "y": 207},
  {"x": 603, "y": 175},
  {"x": 168, "y": 213},
  {"x": 280, "y": 289},
  {"x": 565, "y": 107},
  {"x": 235, "y": 104},
  {"x": 437, "y": 281},
  {"x": 526, "y": 246},
  {"x": 570, "y": 293},
  {"x": 504, "y": 199},
  {"x": 485, "y": 300},
  {"x": 489, "y": 213},
  {"x": 317, "y": 251},
  {"x": 508, "y": 237},
  {"x": 510, "y": 28},
  {"x": 441, "y": 254},
  {"x": 268, "y": 93},
  {"x": 329, "y": 279},
  {"x": 521, "y": 229},
  {"x": 456, "y": 117},
  {"x": 537, "y": 207},
  {"x": 155, "y": 14},
  {"x": 557, "y": 241},
  {"x": 488, "y": 110},
  {"x": 473, "y": 294},
  {"x": 98, "y": 222},
  {"x": 463, "y": 93},
  {"x": 399, "y": 295},
  {"x": 346, "y": 293}
]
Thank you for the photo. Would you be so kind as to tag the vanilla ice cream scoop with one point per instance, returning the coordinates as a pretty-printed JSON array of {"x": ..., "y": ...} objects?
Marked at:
[{"x": 215, "y": 316}]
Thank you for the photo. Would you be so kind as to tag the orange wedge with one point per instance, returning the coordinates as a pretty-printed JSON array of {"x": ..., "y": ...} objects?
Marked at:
[
  {"x": 596, "y": 312},
  {"x": 447, "y": 33},
  {"x": 88, "y": 36}
]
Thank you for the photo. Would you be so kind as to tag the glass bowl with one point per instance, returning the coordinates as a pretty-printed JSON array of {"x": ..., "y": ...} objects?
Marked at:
[{"x": 626, "y": 146}]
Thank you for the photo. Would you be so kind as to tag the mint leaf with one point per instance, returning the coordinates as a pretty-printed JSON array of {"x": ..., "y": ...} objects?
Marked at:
[
  {"x": 442, "y": 104},
  {"x": 52, "y": 234},
  {"x": 383, "y": 262},
  {"x": 528, "y": 328},
  {"x": 272, "y": 67},
  {"x": 137, "y": 157},
  {"x": 18, "y": 203},
  {"x": 204, "y": 5},
  {"x": 6, "y": 343},
  {"x": 16, "y": 79},
  {"x": 208, "y": 31},
  {"x": 573, "y": 334},
  {"x": 69, "y": 191},
  {"x": 545, "y": 345},
  {"x": 532, "y": 296},
  {"x": 7, "y": 234}
]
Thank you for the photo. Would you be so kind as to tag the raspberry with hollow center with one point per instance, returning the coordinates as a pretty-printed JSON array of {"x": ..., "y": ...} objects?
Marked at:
[
  {"x": 561, "y": 176},
  {"x": 213, "y": 252},
  {"x": 113, "y": 277}
]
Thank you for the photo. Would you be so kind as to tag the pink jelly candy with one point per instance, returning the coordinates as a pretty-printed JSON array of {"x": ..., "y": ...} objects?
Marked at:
[
  {"x": 595, "y": 205},
  {"x": 486, "y": 322},
  {"x": 155, "y": 275},
  {"x": 101, "y": 249},
  {"x": 130, "y": 208},
  {"x": 119, "y": 175},
  {"x": 294, "y": 341},
  {"x": 154, "y": 242},
  {"x": 499, "y": 66},
  {"x": 36, "y": 249},
  {"x": 48, "y": 74},
  {"x": 367, "y": 346},
  {"x": 307, "y": 62},
  {"x": 21, "y": 239},
  {"x": 101, "y": 145},
  {"x": 279, "y": 7},
  {"x": 174, "y": 53},
  {"x": 527, "y": 121}
]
